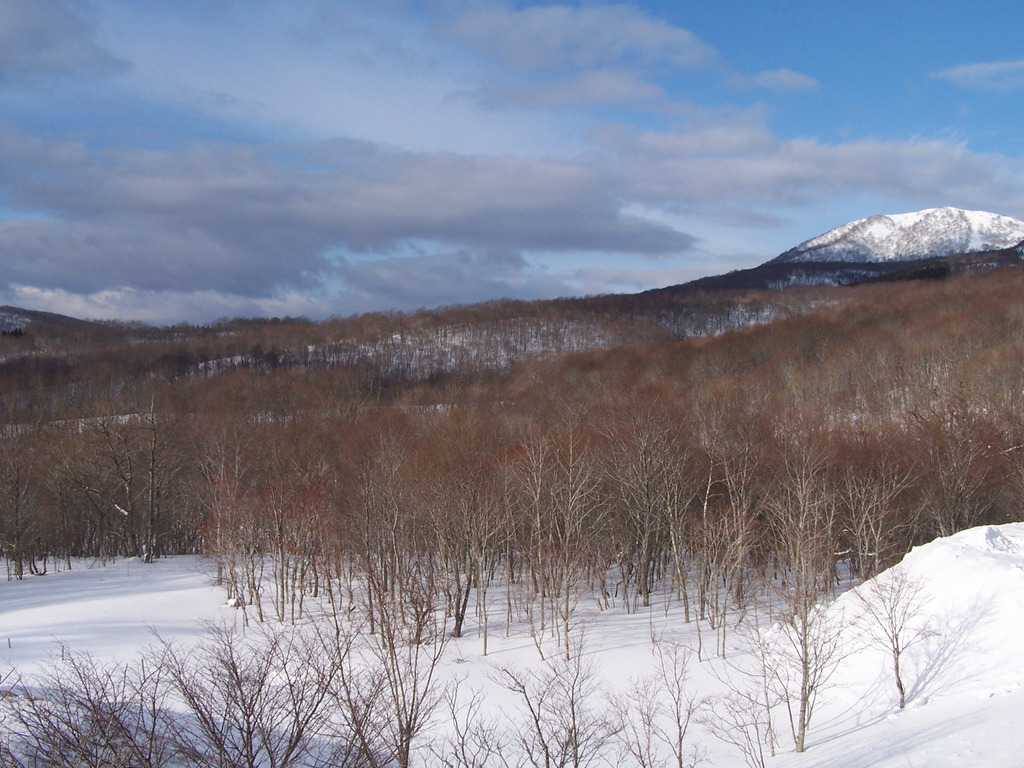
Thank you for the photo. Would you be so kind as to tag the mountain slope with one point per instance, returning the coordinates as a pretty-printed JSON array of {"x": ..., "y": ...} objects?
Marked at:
[{"x": 931, "y": 233}]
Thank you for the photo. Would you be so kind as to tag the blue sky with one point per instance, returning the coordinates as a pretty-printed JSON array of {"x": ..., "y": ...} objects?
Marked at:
[{"x": 191, "y": 159}]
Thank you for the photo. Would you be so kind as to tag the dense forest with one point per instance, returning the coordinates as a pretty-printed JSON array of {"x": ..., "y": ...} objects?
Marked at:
[{"x": 566, "y": 443}]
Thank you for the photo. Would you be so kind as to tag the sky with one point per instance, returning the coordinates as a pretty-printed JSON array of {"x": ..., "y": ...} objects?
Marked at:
[{"x": 186, "y": 160}]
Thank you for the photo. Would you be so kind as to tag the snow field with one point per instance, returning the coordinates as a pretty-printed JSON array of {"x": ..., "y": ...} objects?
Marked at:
[{"x": 964, "y": 675}]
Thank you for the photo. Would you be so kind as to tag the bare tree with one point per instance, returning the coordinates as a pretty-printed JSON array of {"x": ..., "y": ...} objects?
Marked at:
[
  {"x": 20, "y": 515},
  {"x": 893, "y": 604},
  {"x": 809, "y": 650},
  {"x": 802, "y": 518},
  {"x": 642, "y": 456},
  {"x": 133, "y": 468},
  {"x": 458, "y": 483},
  {"x": 357, "y": 700},
  {"x": 385, "y": 508},
  {"x": 553, "y": 490},
  {"x": 404, "y": 651},
  {"x": 876, "y": 521},
  {"x": 955, "y": 456}
]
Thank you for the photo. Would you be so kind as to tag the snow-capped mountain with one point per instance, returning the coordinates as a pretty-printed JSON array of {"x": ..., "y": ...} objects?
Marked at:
[{"x": 931, "y": 233}]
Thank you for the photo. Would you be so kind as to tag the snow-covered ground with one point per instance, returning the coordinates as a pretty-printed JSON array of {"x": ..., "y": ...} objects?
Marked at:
[
  {"x": 964, "y": 675},
  {"x": 110, "y": 611}
]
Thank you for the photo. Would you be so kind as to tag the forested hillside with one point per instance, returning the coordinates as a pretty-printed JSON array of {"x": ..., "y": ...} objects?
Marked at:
[{"x": 559, "y": 439}]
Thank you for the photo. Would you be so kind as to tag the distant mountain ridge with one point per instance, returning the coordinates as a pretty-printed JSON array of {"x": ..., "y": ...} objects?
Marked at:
[
  {"x": 928, "y": 234},
  {"x": 15, "y": 318}
]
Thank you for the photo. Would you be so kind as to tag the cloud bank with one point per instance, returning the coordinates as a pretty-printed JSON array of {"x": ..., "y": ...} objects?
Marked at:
[
  {"x": 190, "y": 160},
  {"x": 55, "y": 38}
]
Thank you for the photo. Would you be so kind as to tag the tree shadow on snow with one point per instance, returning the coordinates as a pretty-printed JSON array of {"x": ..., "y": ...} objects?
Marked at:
[
  {"x": 941, "y": 660},
  {"x": 944, "y": 655}
]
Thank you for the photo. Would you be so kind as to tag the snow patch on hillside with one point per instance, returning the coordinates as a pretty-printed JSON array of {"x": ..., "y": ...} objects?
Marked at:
[
  {"x": 12, "y": 320},
  {"x": 109, "y": 610}
]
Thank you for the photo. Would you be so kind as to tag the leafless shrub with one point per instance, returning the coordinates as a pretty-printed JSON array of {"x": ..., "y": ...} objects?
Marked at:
[
  {"x": 253, "y": 701},
  {"x": 559, "y": 722},
  {"x": 739, "y": 719},
  {"x": 655, "y": 714},
  {"x": 475, "y": 741},
  {"x": 386, "y": 692},
  {"x": 80, "y": 712},
  {"x": 745, "y": 715}
]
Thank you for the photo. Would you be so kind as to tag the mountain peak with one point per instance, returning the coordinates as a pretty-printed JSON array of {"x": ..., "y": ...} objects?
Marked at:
[{"x": 931, "y": 233}]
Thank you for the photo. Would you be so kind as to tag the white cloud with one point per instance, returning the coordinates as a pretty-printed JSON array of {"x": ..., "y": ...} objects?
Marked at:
[
  {"x": 404, "y": 283},
  {"x": 603, "y": 280},
  {"x": 440, "y": 278},
  {"x": 740, "y": 163},
  {"x": 254, "y": 222},
  {"x": 562, "y": 36},
  {"x": 237, "y": 227},
  {"x": 165, "y": 307},
  {"x": 561, "y": 56},
  {"x": 987, "y": 76},
  {"x": 603, "y": 87},
  {"x": 776, "y": 80},
  {"x": 306, "y": 70}
]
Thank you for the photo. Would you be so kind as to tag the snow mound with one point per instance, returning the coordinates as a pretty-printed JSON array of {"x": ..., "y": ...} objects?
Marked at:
[
  {"x": 934, "y": 232},
  {"x": 963, "y": 672},
  {"x": 975, "y": 586},
  {"x": 997, "y": 541},
  {"x": 960, "y": 562}
]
